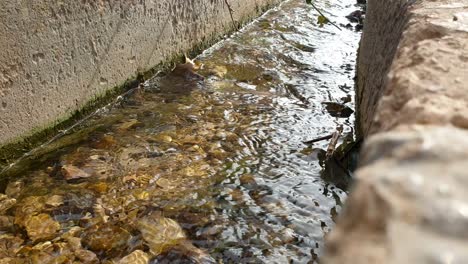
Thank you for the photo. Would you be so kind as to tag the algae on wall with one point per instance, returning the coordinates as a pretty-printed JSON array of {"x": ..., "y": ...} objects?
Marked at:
[{"x": 15, "y": 148}]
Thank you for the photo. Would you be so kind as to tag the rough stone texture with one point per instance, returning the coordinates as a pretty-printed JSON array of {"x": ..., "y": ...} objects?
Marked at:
[
  {"x": 410, "y": 206},
  {"x": 385, "y": 21},
  {"x": 57, "y": 55},
  {"x": 428, "y": 79},
  {"x": 409, "y": 203}
]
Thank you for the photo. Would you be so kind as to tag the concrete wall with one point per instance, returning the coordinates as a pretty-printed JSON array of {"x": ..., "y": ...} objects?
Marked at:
[
  {"x": 409, "y": 203},
  {"x": 57, "y": 55}
]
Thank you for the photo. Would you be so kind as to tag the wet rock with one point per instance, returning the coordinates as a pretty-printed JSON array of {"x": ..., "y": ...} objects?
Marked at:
[
  {"x": 164, "y": 138},
  {"x": 74, "y": 231},
  {"x": 132, "y": 123},
  {"x": 195, "y": 170},
  {"x": 47, "y": 252},
  {"x": 71, "y": 172},
  {"x": 287, "y": 235},
  {"x": 105, "y": 237},
  {"x": 86, "y": 256},
  {"x": 6, "y": 203},
  {"x": 81, "y": 254},
  {"x": 99, "y": 187},
  {"x": 195, "y": 254},
  {"x": 140, "y": 194},
  {"x": 247, "y": 179},
  {"x": 247, "y": 86},
  {"x": 160, "y": 233},
  {"x": 99, "y": 167},
  {"x": 106, "y": 142},
  {"x": 197, "y": 149},
  {"x": 9, "y": 246},
  {"x": 6, "y": 222},
  {"x": 41, "y": 227},
  {"x": 54, "y": 201},
  {"x": 187, "y": 70},
  {"x": 237, "y": 195},
  {"x": 346, "y": 99},
  {"x": 210, "y": 231},
  {"x": 219, "y": 71},
  {"x": 136, "y": 257},
  {"x": 338, "y": 109},
  {"x": 221, "y": 135},
  {"x": 14, "y": 188},
  {"x": 356, "y": 16},
  {"x": 164, "y": 183},
  {"x": 144, "y": 179},
  {"x": 303, "y": 47},
  {"x": 31, "y": 205},
  {"x": 243, "y": 72},
  {"x": 132, "y": 178},
  {"x": 359, "y": 27},
  {"x": 219, "y": 154}
]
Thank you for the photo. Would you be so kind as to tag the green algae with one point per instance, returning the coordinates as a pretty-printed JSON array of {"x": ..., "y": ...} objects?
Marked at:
[{"x": 16, "y": 148}]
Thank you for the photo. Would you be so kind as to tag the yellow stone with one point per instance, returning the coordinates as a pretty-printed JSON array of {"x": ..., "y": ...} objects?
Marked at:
[{"x": 41, "y": 227}]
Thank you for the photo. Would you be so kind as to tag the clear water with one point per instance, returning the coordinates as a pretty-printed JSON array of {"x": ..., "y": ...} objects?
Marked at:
[{"x": 189, "y": 171}]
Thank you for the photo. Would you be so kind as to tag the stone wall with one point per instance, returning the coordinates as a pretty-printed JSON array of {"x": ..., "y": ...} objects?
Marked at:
[
  {"x": 377, "y": 49},
  {"x": 409, "y": 203},
  {"x": 58, "y": 55}
]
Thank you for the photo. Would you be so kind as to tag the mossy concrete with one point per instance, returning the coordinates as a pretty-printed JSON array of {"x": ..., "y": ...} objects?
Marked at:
[{"x": 64, "y": 60}]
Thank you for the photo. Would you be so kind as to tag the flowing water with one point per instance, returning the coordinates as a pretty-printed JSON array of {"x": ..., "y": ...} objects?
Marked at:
[{"x": 189, "y": 171}]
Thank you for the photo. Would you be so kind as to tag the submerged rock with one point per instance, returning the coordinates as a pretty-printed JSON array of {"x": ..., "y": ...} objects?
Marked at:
[
  {"x": 14, "y": 188},
  {"x": 160, "y": 233},
  {"x": 86, "y": 256},
  {"x": 41, "y": 227},
  {"x": 6, "y": 222},
  {"x": 164, "y": 183},
  {"x": 54, "y": 201},
  {"x": 356, "y": 16},
  {"x": 247, "y": 179},
  {"x": 219, "y": 71},
  {"x": 106, "y": 142},
  {"x": 105, "y": 237},
  {"x": 29, "y": 206},
  {"x": 6, "y": 203},
  {"x": 82, "y": 254},
  {"x": 338, "y": 109},
  {"x": 9, "y": 246},
  {"x": 71, "y": 172},
  {"x": 136, "y": 257},
  {"x": 131, "y": 123}
]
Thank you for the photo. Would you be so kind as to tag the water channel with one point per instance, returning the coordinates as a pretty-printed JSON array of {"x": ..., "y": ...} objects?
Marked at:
[{"x": 189, "y": 171}]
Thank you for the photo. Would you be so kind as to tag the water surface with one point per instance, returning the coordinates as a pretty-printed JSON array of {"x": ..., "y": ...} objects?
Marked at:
[{"x": 190, "y": 171}]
